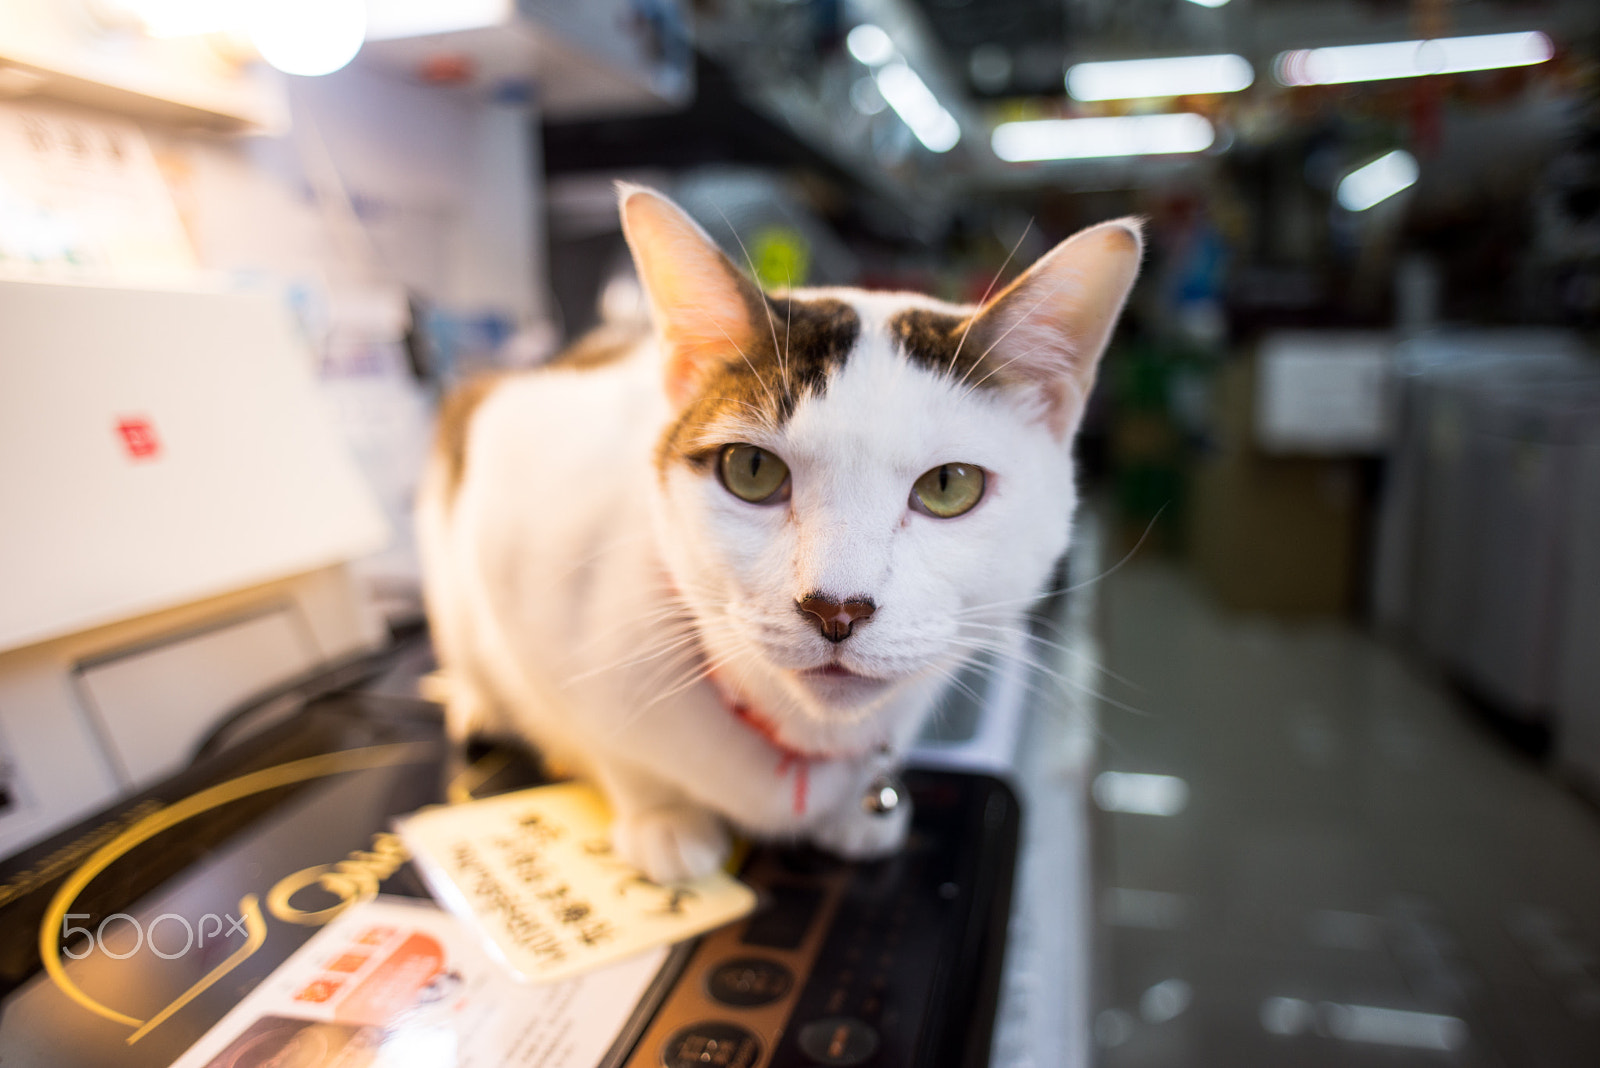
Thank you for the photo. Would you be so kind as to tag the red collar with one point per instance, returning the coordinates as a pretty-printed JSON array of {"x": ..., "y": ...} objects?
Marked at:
[
  {"x": 764, "y": 727},
  {"x": 789, "y": 758}
]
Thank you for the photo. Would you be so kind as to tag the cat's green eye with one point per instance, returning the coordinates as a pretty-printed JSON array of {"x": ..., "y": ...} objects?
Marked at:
[
  {"x": 752, "y": 474},
  {"x": 948, "y": 490}
]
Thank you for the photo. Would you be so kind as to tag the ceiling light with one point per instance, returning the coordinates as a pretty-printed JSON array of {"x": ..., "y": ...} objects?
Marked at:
[
  {"x": 1411, "y": 59},
  {"x": 870, "y": 45},
  {"x": 1393, "y": 1027},
  {"x": 1364, "y": 1023},
  {"x": 1145, "y": 795},
  {"x": 172, "y": 18},
  {"x": 1165, "y": 1001},
  {"x": 1378, "y": 180},
  {"x": 1152, "y": 910},
  {"x": 309, "y": 37},
  {"x": 917, "y": 107},
  {"x": 1133, "y": 135},
  {"x": 391, "y": 19},
  {"x": 1209, "y": 3},
  {"x": 1177, "y": 76}
]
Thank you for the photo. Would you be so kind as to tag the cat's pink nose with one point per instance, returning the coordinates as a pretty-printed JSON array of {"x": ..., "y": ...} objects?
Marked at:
[{"x": 835, "y": 619}]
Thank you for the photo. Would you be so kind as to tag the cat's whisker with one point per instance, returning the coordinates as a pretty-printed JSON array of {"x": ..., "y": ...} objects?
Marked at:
[
  {"x": 673, "y": 607},
  {"x": 704, "y": 629},
  {"x": 671, "y": 618},
  {"x": 1011, "y": 603},
  {"x": 973, "y": 387},
  {"x": 1041, "y": 302},
  {"x": 717, "y": 431},
  {"x": 665, "y": 624},
  {"x": 1008, "y": 649},
  {"x": 1013, "y": 651},
  {"x": 1063, "y": 590},
  {"x": 762, "y": 382},
  {"x": 1066, "y": 703},
  {"x": 788, "y": 321},
  {"x": 1067, "y": 650},
  {"x": 755, "y": 275},
  {"x": 603, "y": 548},
  {"x": 676, "y": 645},
  {"x": 987, "y": 290},
  {"x": 990, "y": 671},
  {"x": 952, "y": 676},
  {"x": 760, "y": 414},
  {"x": 673, "y": 677},
  {"x": 706, "y": 669}
]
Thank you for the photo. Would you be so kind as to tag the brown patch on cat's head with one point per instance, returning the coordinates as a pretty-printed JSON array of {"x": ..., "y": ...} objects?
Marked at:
[
  {"x": 946, "y": 343},
  {"x": 734, "y": 360},
  {"x": 803, "y": 342}
]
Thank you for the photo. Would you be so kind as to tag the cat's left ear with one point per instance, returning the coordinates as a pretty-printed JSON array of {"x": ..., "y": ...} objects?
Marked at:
[
  {"x": 1048, "y": 329},
  {"x": 704, "y": 309}
]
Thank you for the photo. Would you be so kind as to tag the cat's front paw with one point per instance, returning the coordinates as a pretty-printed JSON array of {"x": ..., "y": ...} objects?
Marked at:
[
  {"x": 860, "y": 835},
  {"x": 671, "y": 844}
]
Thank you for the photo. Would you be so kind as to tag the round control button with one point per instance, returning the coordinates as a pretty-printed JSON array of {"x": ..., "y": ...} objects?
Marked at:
[
  {"x": 749, "y": 981},
  {"x": 838, "y": 1041},
  {"x": 711, "y": 1045}
]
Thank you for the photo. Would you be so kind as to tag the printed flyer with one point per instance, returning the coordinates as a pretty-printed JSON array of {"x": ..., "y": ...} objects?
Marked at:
[
  {"x": 534, "y": 873},
  {"x": 396, "y": 983}
]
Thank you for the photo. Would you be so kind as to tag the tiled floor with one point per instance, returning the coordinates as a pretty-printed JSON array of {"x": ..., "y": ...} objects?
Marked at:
[{"x": 1356, "y": 872}]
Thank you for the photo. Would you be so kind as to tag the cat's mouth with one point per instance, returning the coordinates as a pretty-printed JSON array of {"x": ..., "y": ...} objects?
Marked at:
[
  {"x": 834, "y": 671},
  {"x": 840, "y": 689}
]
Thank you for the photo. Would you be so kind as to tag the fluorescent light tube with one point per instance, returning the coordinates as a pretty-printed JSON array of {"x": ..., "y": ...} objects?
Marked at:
[
  {"x": 1377, "y": 181},
  {"x": 309, "y": 37},
  {"x": 917, "y": 107},
  {"x": 1411, "y": 59},
  {"x": 870, "y": 45},
  {"x": 1364, "y": 1023},
  {"x": 1144, "y": 795},
  {"x": 1176, "y": 76},
  {"x": 393, "y": 19},
  {"x": 1132, "y": 135},
  {"x": 178, "y": 18}
]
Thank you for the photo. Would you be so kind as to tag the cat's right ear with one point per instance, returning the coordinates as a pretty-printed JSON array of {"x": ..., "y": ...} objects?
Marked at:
[
  {"x": 1048, "y": 329},
  {"x": 704, "y": 309}
]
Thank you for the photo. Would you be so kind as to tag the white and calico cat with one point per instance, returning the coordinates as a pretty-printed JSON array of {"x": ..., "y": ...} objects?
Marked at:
[{"x": 726, "y": 571}]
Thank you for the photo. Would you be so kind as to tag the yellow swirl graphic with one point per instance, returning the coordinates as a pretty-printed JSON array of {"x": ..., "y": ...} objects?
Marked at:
[{"x": 377, "y": 756}]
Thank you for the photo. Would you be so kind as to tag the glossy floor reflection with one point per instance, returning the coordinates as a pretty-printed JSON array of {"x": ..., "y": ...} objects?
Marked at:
[{"x": 1309, "y": 854}]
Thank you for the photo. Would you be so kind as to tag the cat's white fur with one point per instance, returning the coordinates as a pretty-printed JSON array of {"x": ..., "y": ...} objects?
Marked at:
[{"x": 578, "y": 593}]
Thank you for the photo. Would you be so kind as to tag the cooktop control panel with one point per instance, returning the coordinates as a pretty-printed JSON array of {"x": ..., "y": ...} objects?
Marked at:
[{"x": 888, "y": 963}]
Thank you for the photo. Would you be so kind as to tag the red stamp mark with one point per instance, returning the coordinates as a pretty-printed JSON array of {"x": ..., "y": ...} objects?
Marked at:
[
  {"x": 375, "y": 936},
  {"x": 139, "y": 438},
  {"x": 319, "y": 990}
]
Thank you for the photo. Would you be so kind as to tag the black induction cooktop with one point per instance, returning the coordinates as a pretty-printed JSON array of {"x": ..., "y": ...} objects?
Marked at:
[{"x": 125, "y": 938}]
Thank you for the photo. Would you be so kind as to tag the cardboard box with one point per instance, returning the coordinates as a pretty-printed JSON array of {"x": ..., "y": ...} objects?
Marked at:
[{"x": 1272, "y": 534}]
